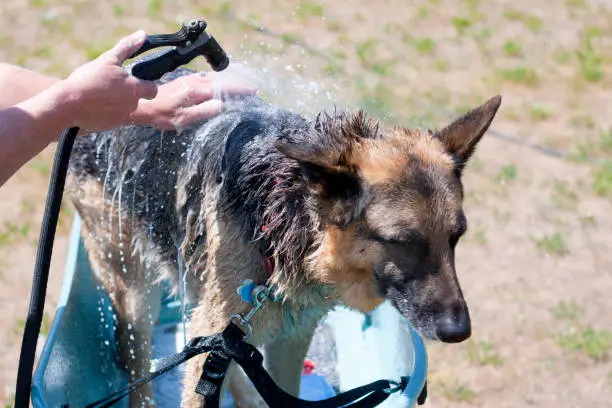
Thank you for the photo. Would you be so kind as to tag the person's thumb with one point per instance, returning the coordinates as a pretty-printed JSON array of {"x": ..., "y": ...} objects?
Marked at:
[
  {"x": 142, "y": 88},
  {"x": 124, "y": 48}
]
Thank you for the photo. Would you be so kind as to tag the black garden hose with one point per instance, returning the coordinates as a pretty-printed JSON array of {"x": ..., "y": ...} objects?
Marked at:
[{"x": 41, "y": 268}]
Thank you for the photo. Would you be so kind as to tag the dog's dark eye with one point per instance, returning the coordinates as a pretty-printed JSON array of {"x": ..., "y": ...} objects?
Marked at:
[{"x": 454, "y": 237}]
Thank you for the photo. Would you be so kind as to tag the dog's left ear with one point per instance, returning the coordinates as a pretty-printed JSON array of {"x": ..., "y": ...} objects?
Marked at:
[{"x": 462, "y": 135}]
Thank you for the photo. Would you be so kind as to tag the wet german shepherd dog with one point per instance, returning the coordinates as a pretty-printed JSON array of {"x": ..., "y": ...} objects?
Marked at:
[{"x": 351, "y": 212}]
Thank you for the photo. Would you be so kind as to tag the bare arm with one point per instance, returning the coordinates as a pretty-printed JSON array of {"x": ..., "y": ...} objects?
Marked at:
[
  {"x": 96, "y": 96},
  {"x": 99, "y": 95},
  {"x": 18, "y": 84}
]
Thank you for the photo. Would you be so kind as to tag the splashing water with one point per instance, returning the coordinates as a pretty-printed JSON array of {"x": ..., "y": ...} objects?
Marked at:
[{"x": 182, "y": 288}]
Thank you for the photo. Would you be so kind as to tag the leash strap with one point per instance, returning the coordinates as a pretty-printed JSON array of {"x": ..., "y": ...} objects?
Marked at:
[
  {"x": 197, "y": 345},
  {"x": 251, "y": 360},
  {"x": 229, "y": 345}
]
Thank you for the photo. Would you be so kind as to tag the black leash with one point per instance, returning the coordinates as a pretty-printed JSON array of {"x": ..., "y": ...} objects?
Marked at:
[{"x": 229, "y": 345}]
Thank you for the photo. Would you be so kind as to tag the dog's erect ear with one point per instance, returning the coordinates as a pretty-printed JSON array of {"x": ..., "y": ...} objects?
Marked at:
[{"x": 462, "y": 135}]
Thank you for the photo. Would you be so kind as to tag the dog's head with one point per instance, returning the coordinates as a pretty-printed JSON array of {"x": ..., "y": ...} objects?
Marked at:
[{"x": 390, "y": 203}]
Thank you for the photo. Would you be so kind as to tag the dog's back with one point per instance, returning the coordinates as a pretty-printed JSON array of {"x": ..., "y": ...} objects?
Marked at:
[{"x": 157, "y": 179}]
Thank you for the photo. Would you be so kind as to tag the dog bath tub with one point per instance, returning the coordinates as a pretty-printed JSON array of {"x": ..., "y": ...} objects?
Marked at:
[{"x": 77, "y": 364}]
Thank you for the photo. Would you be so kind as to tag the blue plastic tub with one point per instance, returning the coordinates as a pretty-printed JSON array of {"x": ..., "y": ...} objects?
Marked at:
[{"x": 78, "y": 362}]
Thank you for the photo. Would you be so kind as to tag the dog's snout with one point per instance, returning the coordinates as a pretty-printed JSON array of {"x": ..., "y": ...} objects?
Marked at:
[{"x": 454, "y": 325}]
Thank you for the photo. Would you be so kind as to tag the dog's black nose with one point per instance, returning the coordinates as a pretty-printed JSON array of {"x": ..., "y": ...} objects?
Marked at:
[{"x": 454, "y": 325}]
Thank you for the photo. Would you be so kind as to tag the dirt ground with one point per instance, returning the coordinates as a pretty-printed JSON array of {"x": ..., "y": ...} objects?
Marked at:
[{"x": 536, "y": 265}]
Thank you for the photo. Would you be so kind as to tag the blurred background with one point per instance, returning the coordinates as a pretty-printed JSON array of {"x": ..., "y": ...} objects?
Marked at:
[{"x": 536, "y": 264}]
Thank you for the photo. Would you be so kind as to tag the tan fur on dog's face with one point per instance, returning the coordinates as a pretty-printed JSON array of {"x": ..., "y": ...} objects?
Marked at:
[{"x": 391, "y": 202}]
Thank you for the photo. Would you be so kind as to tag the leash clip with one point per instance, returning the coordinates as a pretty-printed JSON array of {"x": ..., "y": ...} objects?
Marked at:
[{"x": 255, "y": 295}]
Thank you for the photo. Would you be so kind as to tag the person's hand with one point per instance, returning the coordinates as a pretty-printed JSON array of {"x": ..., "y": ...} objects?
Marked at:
[
  {"x": 100, "y": 94},
  {"x": 186, "y": 100}
]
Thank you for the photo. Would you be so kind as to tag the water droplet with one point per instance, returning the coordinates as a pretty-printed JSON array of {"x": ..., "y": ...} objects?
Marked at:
[
  {"x": 131, "y": 337},
  {"x": 106, "y": 343}
]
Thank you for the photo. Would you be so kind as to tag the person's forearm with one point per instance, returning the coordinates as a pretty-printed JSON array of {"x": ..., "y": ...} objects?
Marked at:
[
  {"x": 19, "y": 84},
  {"x": 28, "y": 127}
]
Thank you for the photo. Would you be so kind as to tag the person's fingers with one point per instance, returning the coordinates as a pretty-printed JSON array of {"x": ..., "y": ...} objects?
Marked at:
[
  {"x": 204, "y": 110},
  {"x": 142, "y": 88},
  {"x": 124, "y": 48},
  {"x": 148, "y": 89},
  {"x": 233, "y": 88}
]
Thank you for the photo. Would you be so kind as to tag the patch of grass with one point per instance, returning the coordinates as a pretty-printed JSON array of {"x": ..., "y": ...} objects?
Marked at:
[
  {"x": 307, "y": 9},
  {"x": 332, "y": 69},
  {"x": 424, "y": 45},
  {"x": 513, "y": 49},
  {"x": 421, "y": 13},
  {"x": 36, "y": 3},
  {"x": 590, "y": 61},
  {"x": 600, "y": 147},
  {"x": 21, "y": 59},
  {"x": 44, "y": 51},
  {"x": 381, "y": 68},
  {"x": 334, "y": 25},
  {"x": 483, "y": 353},
  {"x": 6, "y": 41},
  {"x": 532, "y": 23},
  {"x": 539, "y": 112},
  {"x": 441, "y": 65},
  {"x": 94, "y": 49},
  {"x": 118, "y": 10},
  {"x": 594, "y": 343},
  {"x": 365, "y": 53},
  {"x": 461, "y": 24},
  {"x": 224, "y": 8},
  {"x": 154, "y": 7},
  {"x": 520, "y": 76},
  {"x": 18, "y": 328},
  {"x": 480, "y": 237},
  {"x": 339, "y": 54},
  {"x": 566, "y": 311},
  {"x": 552, "y": 244},
  {"x": 358, "y": 16},
  {"x": 507, "y": 174},
  {"x": 364, "y": 50},
  {"x": 458, "y": 393},
  {"x": 588, "y": 221},
  {"x": 576, "y": 3},
  {"x": 12, "y": 232},
  {"x": 290, "y": 38},
  {"x": 41, "y": 167},
  {"x": 27, "y": 207},
  {"x": 602, "y": 181},
  {"x": 45, "y": 325},
  {"x": 583, "y": 120},
  {"x": 378, "y": 101},
  {"x": 564, "y": 197},
  {"x": 562, "y": 57},
  {"x": 511, "y": 114}
]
